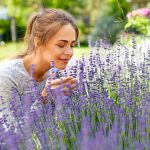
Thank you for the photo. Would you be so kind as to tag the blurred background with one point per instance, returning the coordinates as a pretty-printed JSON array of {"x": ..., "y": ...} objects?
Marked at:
[{"x": 95, "y": 18}]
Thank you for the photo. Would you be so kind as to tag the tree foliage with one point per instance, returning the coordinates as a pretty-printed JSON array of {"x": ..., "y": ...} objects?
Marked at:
[
  {"x": 106, "y": 16},
  {"x": 112, "y": 18},
  {"x": 20, "y": 10}
]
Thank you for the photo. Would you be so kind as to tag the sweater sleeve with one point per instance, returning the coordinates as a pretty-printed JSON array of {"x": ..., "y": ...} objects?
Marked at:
[{"x": 9, "y": 100}]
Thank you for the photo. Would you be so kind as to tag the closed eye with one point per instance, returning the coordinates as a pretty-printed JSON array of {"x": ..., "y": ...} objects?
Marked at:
[
  {"x": 64, "y": 44},
  {"x": 61, "y": 46}
]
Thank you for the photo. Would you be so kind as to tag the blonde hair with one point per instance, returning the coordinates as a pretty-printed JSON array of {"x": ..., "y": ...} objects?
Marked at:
[{"x": 44, "y": 25}]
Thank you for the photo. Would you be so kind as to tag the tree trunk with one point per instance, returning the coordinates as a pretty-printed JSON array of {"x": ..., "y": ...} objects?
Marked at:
[{"x": 13, "y": 29}]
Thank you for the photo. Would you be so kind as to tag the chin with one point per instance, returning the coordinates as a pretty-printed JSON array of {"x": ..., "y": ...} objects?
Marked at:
[{"x": 61, "y": 67}]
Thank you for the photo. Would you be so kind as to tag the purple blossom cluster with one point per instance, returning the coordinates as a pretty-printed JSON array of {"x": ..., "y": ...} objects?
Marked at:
[
  {"x": 109, "y": 110},
  {"x": 139, "y": 12}
]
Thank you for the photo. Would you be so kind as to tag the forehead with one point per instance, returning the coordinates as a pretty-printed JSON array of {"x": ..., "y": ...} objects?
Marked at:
[{"x": 66, "y": 32}]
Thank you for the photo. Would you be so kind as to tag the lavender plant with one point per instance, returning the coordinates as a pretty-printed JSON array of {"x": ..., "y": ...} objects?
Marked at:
[{"x": 110, "y": 108}]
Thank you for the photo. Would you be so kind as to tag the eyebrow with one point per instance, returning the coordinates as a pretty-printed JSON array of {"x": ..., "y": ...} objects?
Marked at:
[{"x": 66, "y": 41}]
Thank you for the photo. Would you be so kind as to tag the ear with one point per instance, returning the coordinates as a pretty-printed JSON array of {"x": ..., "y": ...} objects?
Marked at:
[{"x": 36, "y": 41}]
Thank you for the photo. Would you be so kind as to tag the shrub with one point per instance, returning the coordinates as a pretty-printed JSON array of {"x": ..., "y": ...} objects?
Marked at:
[{"x": 139, "y": 22}]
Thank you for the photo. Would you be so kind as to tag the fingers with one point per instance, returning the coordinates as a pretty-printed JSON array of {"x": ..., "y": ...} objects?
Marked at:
[
  {"x": 71, "y": 84},
  {"x": 66, "y": 88},
  {"x": 61, "y": 86},
  {"x": 61, "y": 80},
  {"x": 72, "y": 81},
  {"x": 69, "y": 89},
  {"x": 66, "y": 91},
  {"x": 65, "y": 84}
]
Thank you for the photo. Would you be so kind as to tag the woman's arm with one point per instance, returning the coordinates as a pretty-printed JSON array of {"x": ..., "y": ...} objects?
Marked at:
[{"x": 9, "y": 100}]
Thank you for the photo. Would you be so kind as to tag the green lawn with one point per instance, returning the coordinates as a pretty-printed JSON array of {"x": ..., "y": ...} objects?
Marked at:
[{"x": 10, "y": 49}]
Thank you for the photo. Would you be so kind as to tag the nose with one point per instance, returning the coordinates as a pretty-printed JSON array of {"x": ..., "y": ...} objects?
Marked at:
[{"x": 69, "y": 51}]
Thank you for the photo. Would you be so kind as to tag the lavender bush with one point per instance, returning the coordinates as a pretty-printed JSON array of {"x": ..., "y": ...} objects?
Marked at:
[{"x": 109, "y": 110}]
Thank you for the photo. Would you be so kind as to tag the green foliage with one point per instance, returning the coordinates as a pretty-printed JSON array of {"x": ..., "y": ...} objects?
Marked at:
[
  {"x": 66, "y": 5},
  {"x": 4, "y": 25},
  {"x": 111, "y": 15},
  {"x": 21, "y": 11},
  {"x": 111, "y": 19},
  {"x": 138, "y": 25}
]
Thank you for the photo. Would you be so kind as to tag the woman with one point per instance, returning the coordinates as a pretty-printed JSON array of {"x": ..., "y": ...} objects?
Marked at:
[{"x": 50, "y": 35}]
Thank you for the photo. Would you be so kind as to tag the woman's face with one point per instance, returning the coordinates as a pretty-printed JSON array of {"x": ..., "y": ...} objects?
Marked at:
[{"x": 59, "y": 48}]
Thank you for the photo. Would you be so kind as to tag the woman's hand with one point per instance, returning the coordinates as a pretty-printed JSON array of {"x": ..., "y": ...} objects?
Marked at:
[{"x": 64, "y": 84}]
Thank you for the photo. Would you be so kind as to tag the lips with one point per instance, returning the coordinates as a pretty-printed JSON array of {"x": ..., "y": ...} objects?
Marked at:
[{"x": 64, "y": 60}]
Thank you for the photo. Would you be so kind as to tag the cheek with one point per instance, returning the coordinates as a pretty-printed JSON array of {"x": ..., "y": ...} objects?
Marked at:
[
  {"x": 52, "y": 54},
  {"x": 57, "y": 55},
  {"x": 56, "y": 52}
]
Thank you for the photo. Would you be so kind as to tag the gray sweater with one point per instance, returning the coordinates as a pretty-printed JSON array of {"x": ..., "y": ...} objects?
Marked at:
[{"x": 14, "y": 75}]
